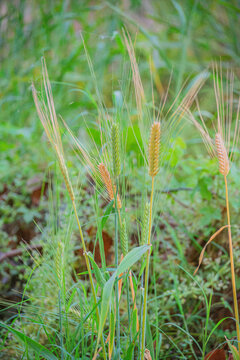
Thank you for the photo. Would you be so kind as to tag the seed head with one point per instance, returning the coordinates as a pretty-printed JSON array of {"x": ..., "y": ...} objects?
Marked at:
[
  {"x": 106, "y": 179},
  {"x": 115, "y": 150},
  {"x": 154, "y": 147},
  {"x": 145, "y": 224},
  {"x": 222, "y": 155},
  {"x": 123, "y": 238}
]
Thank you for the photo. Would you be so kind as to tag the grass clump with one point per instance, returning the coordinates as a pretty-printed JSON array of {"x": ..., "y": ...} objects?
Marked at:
[{"x": 126, "y": 301}]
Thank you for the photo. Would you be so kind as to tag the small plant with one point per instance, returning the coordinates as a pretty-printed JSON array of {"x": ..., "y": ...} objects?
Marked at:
[
  {"x": 153, "y": 160},
  {"x": 47, "y": 115},
  {"x": 223, "y": 149}
]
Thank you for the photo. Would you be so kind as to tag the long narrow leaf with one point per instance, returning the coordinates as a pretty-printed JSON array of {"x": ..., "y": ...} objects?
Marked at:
[
  {"x": 40, "y": 349},
  {"x": 131, "y": 258}
]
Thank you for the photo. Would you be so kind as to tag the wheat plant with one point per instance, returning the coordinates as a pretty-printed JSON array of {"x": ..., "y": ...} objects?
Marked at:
[
  {"x": 222, "y": 145},
  {"x": 48, "y": 117}
]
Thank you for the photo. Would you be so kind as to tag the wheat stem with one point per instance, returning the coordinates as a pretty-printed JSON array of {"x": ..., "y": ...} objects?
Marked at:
[
  {"x": 117, "y": 213},
  {"x": 146, "y": 276},
  {"x": 235, "y": 302},
  {"x": 90, "y": 273}
]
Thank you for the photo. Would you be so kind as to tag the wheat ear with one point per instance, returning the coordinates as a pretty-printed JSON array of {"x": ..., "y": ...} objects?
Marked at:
[
  {"x": 145, "y": 224},
  {"x": 115, "y": 150},
  {"x": 106, "y": 179},
  {"x": 153, "y": 161},
  {"x": 222, "y": 155},
  {"x": 154, "y": 147},
  {"x": 123, "y": 238}
]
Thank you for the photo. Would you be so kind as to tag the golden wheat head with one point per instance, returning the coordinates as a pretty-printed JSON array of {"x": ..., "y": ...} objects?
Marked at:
[
  {"x": 154, "y": 148},
  {"x": 222, "y": 155},
  {"x": 106, "y": 179}
]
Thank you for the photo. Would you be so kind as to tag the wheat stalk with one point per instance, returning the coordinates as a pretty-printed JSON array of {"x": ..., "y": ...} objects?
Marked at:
[
  {"x": 47, "y": 114},
  {"x": 221, "y": 150},
  {"x": 153, "y": 161}
]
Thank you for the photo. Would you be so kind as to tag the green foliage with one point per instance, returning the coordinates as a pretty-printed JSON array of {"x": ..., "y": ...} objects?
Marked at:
[
  {"x": 55, "y": 309},
  {"x": 38, "y": 348}
]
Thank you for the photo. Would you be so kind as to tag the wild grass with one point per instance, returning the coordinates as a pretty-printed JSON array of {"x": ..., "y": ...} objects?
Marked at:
[
  {"x": 226, "y": 142},
  {"x": 102, "y": 179}
]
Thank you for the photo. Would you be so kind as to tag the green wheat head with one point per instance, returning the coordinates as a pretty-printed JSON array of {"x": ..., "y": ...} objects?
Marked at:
[
  {"x": 115, "y": 138},
  {"x": 145, "y": 224},
  {"x": 123, "y": 238}
]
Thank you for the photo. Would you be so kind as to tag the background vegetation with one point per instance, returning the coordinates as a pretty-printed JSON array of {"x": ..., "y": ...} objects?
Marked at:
[{"x": 176, "y": 39}]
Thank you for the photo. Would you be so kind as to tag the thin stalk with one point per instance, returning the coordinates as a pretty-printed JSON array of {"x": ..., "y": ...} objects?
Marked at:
[
  {"x": 116, "y": 264},
  {"x": 146, "y": 276},
  {"x": 90, "y": 274},
  {"x": 232, "y": 267},
  {"x": 129, "y": 312},
  {"x": 141, "y": 314}
]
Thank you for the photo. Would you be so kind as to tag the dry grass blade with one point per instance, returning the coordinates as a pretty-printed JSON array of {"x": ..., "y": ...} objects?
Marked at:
[{"x": 205, "y": 246}]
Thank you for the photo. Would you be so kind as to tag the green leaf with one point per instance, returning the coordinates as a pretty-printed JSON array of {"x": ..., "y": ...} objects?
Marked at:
[
  {"x": 131, "y": 258},
  {"x": 70, "y": 300},
  {"x": 177, "y": 242},
  {"x": 97, "y": 271},
  {"x": 203, "y": 185},
  {"x": 40, "y": 349},
  {"x": 149, "y": 338},
  {"x": 134, "y": 322},
  {"x": 209, "y": 214},
  {"x": 234, "y": 350},
  {"x": 107, "y": 213},
  {"x": 180, "y": 13},
  {"x": 112, "y": 331}
]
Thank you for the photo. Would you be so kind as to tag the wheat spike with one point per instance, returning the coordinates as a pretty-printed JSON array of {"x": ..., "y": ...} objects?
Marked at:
[
  {"x": 145, "y": 224},
  {"x": 222, "y": 155},
  {"x": 106, "y": 179},
  {"x": 119, "y": 203},
  {"x": 78, "y": 316},
  {"x": 115, "y": 150},
  {"x": 124, "y": 238},
  {"x": 154, "y": 147}
]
